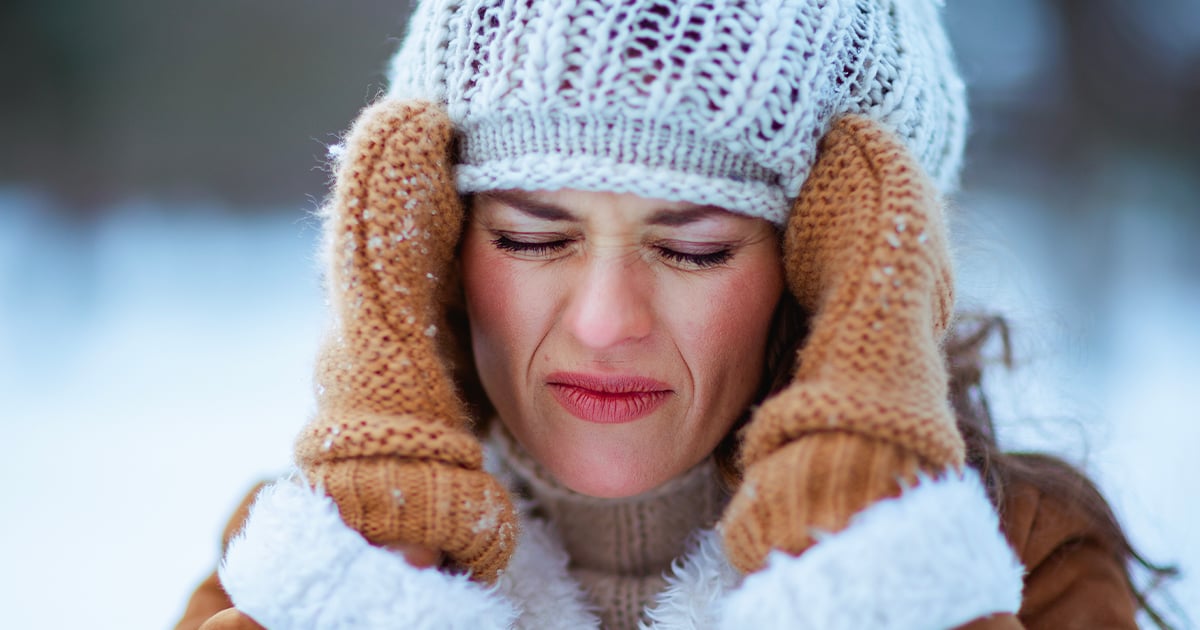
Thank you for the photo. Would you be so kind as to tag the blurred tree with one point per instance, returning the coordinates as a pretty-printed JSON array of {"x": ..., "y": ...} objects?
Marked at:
[{"x": 223, "y": 100}]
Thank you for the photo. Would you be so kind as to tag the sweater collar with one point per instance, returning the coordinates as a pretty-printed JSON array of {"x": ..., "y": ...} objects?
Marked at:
[{"x": 630, "y": 536}]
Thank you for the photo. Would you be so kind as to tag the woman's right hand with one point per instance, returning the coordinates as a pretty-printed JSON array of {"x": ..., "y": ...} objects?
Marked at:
[
  {"x": 230, "y": 619},
  {"x": 391, "y": 442},
  {"x": 416, "y": 555}
]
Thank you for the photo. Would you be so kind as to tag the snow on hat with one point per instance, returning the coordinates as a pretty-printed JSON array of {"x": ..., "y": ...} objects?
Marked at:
[{"x": 706, "y": 101}]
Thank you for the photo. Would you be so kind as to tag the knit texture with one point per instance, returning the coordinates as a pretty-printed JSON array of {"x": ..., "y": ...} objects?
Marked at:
[
  {"x": 718, "y": 103},
  {"x": 391, "y": 442},
  {"x": 620, "y": 549},
  {"x": 865, "y": 252}
]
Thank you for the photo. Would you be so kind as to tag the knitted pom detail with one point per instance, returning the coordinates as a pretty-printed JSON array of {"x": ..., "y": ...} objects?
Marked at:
[
  {"x": 465, "y": 513},
  {"x": 391, "y": 442}
]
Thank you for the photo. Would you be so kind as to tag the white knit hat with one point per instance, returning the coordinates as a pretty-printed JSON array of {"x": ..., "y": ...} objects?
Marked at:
[{"x": 717, "y": 102}]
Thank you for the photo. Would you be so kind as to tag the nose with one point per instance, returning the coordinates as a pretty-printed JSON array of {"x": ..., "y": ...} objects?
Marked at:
[{"x": 610, "y": 306}]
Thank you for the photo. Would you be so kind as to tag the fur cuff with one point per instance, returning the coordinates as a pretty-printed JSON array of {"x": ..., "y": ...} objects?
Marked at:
[
  {"x": 932, "y": 558},
  {"x": 297, "y": 565}
]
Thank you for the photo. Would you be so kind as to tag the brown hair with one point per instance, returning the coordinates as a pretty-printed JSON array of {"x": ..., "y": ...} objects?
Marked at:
[{"x": 1054, "y": 477}]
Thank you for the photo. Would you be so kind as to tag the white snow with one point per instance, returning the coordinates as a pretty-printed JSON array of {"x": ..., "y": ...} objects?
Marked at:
[{"x": 152, "y": 368}]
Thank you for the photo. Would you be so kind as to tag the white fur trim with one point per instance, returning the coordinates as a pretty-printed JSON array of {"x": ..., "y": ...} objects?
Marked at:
[
  {"x": 932, "y": 558},
  {"x": 297, "y": 565},
  {"x": 538, "y": 581},
  {"x": 695, "y": 587}
]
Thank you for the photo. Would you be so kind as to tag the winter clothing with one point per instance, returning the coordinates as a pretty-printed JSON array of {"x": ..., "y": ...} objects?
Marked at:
[
  {"x": 933, "y": 568},
  {"x": 391, "y": 443},
  {"x": 620, "y": 550},
  {"x": 715, "y": 103},
  {"x": 210, "y": 598},
  {"x": 1073, "y": 578},
  {"x": 865, "y": 253},
  {"x": 932, "y": 557},
  {"x": 840, "y": 118}
]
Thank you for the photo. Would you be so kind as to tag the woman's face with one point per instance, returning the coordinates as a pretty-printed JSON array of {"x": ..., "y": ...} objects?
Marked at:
[{"x": 618, "y": 337}]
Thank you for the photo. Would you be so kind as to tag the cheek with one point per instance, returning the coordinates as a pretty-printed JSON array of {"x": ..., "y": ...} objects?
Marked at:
[
  {"x": 488, "y": 287},
  {"x": 725, "y": 328},
  {"x": 505, "y": 307}
]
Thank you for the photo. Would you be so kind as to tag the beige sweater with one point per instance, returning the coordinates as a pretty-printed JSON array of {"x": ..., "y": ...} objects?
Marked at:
[{"x": 619, "y": 548}]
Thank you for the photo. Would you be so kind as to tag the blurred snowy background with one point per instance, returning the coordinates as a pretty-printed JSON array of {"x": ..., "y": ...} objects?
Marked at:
[{"x": 159, "y": 307}]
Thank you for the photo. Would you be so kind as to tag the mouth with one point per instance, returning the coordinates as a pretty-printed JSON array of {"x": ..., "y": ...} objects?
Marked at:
[{"x": 607, "y": 399}]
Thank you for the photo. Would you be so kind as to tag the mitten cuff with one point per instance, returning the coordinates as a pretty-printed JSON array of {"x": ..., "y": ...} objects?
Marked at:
[
  {"x": 808, "y": 488},
  {"x": 465, "y": 513},
  {"x": 409, "y": 436},
  {"x": 924, "y": 427}
]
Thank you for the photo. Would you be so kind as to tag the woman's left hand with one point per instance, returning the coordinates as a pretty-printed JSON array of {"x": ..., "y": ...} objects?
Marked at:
[
  {"x": 866, "y": 418},
  {"x": 865, "y": 252}
]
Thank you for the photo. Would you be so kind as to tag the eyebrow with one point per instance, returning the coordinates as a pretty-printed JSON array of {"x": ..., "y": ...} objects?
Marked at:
[
  {"x": 671, "y": 217},
  {"x": 683, "y": 216},
  {"x": 538, "y": 209}
]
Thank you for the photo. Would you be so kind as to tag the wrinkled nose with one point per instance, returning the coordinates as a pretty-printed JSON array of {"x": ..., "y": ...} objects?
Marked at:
[{"x": 610, "y": 306}]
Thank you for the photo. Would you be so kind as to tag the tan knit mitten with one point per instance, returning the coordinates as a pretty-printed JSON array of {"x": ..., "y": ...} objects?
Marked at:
[
  {"x": 865, "y": 252},
  {"x": 391, "y": 443}
]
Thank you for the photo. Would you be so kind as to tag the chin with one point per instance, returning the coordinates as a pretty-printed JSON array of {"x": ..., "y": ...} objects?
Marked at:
[
  {"x": 607, "y": 486},
  {"x": 609, "y": 475},
  {"x": 611, "y": 461}
]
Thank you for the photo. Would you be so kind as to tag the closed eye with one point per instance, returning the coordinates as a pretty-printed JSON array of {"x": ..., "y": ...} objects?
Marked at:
[
  {"x": 534, "y": 248},
  {"x": 704, "y": 260},
  {"x": 538, "y": 246}
]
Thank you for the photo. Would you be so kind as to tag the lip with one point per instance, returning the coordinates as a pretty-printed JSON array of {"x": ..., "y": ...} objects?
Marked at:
[{"x": 607, "y": 399}]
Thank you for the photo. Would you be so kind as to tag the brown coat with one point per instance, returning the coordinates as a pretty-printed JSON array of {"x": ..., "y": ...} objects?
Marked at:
[{"x": 1074, "y": 577}]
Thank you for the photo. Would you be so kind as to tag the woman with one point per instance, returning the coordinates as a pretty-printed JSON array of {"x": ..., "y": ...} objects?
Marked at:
[{"x": 622, "y": 219}]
